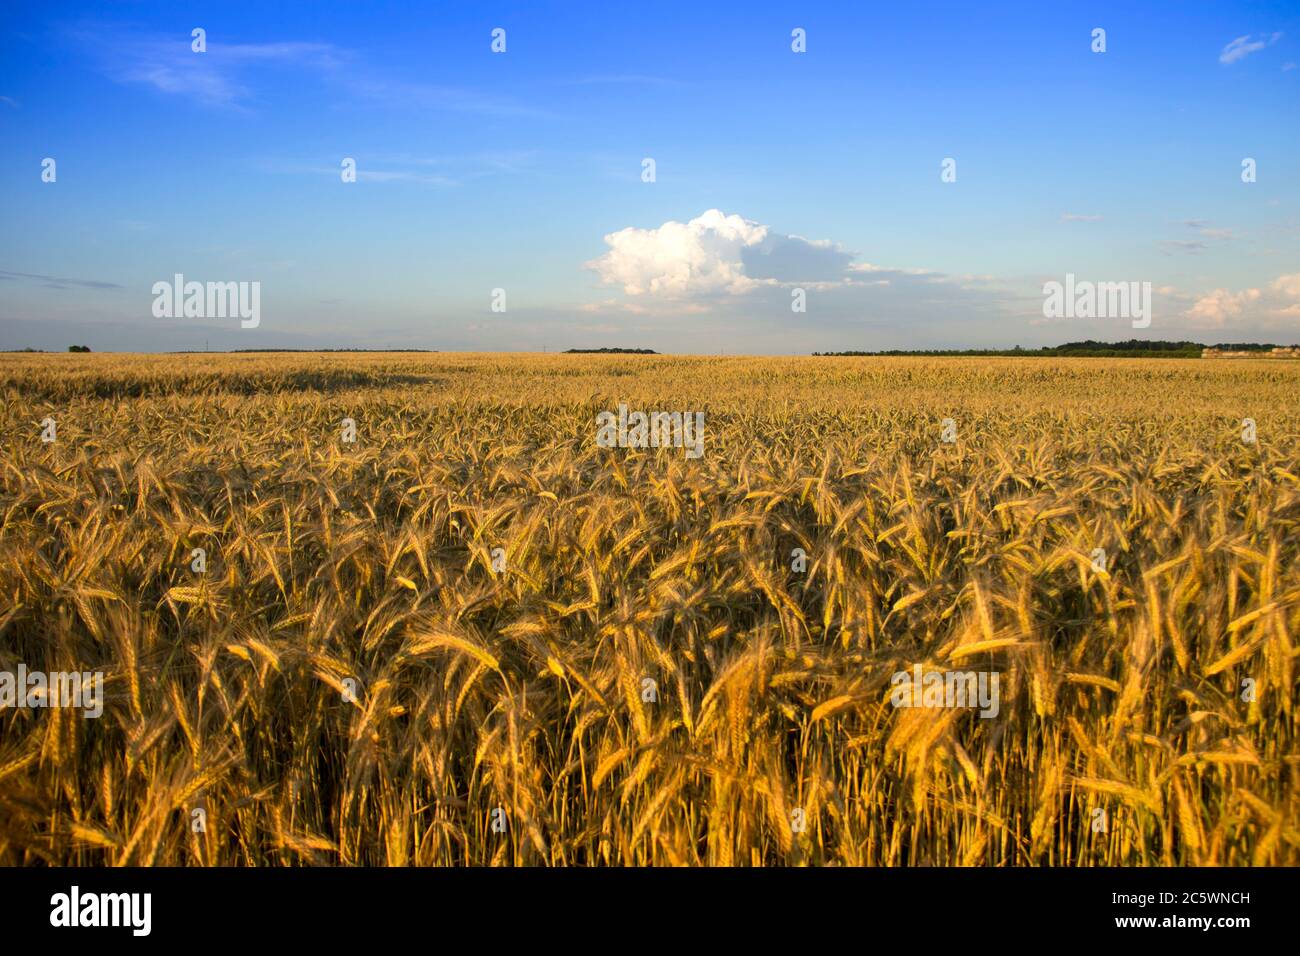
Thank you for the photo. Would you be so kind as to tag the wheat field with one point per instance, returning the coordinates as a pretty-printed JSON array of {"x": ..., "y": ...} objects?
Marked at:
[{"x": 472, "y": 636}]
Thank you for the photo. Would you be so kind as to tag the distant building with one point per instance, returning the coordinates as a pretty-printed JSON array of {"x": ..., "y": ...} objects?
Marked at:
[{"x": 1284, "y": 351}]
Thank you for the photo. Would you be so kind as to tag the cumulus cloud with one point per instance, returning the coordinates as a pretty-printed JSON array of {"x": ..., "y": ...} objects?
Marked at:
[
  {"x": 1288, "y": 286},
  {"x": 724, "y": 283},
  {"x": 1276, "y": 304},
  {"x": 1217, "y": 307},
  {"x": 714, "y": 254},
  {"x": 1244, "y": 46}
]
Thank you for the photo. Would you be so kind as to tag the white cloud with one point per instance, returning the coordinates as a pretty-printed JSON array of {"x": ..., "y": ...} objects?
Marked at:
[
  {"x": 722, "y": 282},
  {"x": 1217, "y": 307},
  {"x": 1244, "y": 46},
  {"x": 714, "y": 254},
  {"x": 723, "y": 277},
  {"x": 1278, "y": 304},
  {"x": 1288, "y": 286}
]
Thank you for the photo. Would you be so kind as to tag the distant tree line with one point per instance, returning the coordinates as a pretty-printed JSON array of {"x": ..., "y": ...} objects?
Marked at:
[
  {"x": 610, "y": 352},
  {"x": 1139, "y": 348},
  {"x": 1245, "y": 347}
]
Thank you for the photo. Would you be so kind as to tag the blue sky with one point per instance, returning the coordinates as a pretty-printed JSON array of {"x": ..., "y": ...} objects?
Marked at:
[{"x": 522, "y": 171}]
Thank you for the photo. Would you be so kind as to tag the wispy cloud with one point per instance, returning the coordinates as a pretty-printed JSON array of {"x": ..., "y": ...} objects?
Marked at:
[
  {"x": 449, "y": 99},
  {"x": 1207, "y": 231},
  {"x": 508, "y": 161},
  {"x": 56, "y": 282},
  {"x": 403, "y": 176},
  {"x": 9, "y": 101},
  {"x": 227, "y": 75},
  {"x": 1181, "y": 245},
  {"x": 366, "y": 173},
  {"x": 220, "y": 77},
  {"x": 450, "y": 171},
  {"x": 1079, "y": 217},
  {"x": 625, "y": 79},
  {"x": 1204, "y": 230},
  {"x": 1244, "y": 46}
]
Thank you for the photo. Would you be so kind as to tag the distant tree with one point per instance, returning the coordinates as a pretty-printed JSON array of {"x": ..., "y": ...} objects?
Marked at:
[
  {"x": 78, "y": 348},
  {"x": 609, "y": 351}
]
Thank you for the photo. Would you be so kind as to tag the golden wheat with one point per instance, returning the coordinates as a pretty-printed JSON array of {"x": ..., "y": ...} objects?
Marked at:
[{"x": 647, "y": 679}]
